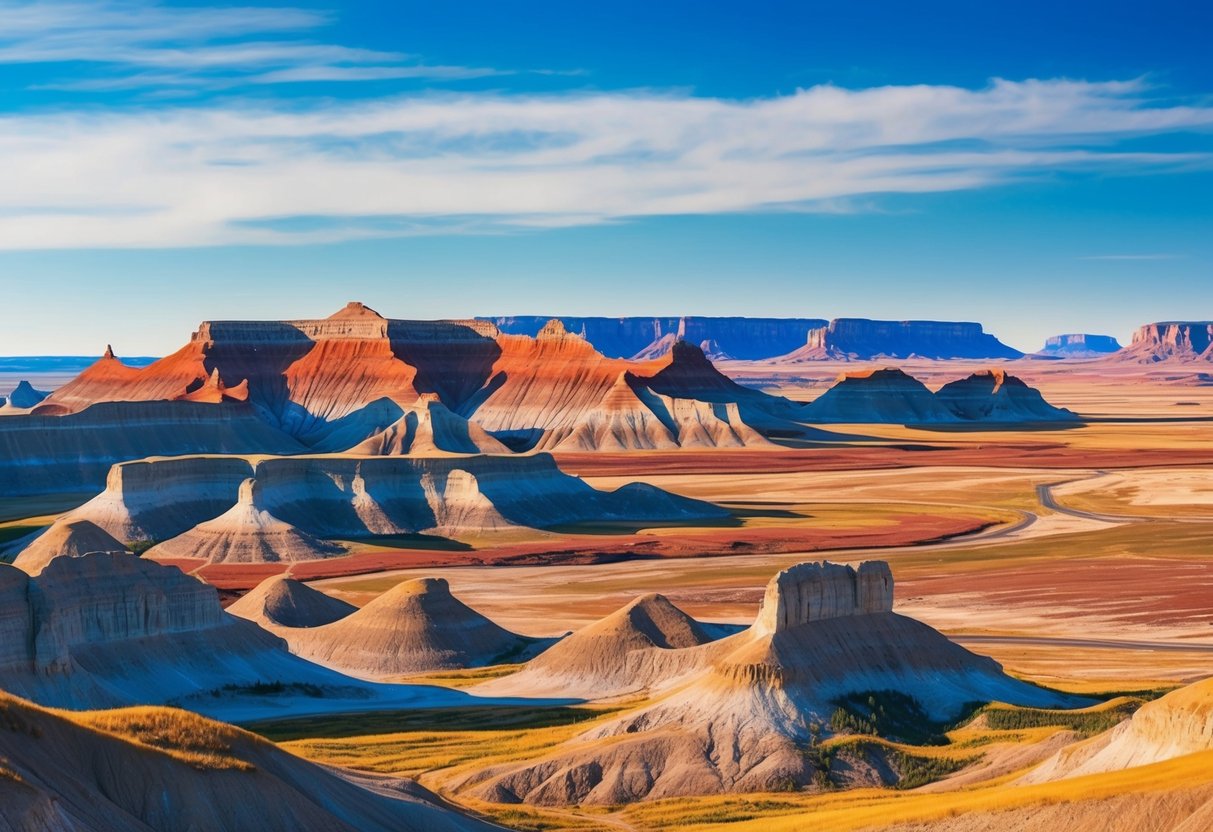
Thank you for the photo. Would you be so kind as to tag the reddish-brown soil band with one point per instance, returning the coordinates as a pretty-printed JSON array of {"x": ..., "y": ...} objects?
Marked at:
[
  {"x": 884, "y": 457},
  {"x": 901, "y": 530},
  {"x": 1129, "y": 590}
]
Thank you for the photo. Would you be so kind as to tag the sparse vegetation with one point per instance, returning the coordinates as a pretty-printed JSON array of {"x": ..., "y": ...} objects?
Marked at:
[
  {"x": 1087, "y": 722},
  {"x": 199, "y": 742},
  {"x": 892, "y": 715}
]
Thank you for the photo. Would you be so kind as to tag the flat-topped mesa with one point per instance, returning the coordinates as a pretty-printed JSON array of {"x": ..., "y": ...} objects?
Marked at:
[
  {"x": 644, "y": 338},
  {"x": 1079, "y": 345},
  {"x": 1171, "y": 341},
  {"x": 811, "y": 592},
  {"x": 861, "y": 338}
]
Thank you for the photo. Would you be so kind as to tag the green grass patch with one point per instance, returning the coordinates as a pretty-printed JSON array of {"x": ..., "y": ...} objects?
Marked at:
[
  {"x": 893, "y": 716},
  {"x": 1085, "y": 722}
]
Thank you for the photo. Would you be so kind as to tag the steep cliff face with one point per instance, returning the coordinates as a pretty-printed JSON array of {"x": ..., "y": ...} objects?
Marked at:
[
  {"x": 1170, "y": 341},
  {"x": 1079, "y": 345},
  {"x": 47, "y": 454},
  {"x": 106, "y": 629},
  {"x": 811, "y": 592},
  {"x": 860, "y": 339},
  {"x": 291, "y": 500},
  {"x": 736, "y": 337},
  {"x": 359, "y": 381}
]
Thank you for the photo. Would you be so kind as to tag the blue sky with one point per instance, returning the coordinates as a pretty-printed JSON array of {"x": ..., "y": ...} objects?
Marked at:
[{"x": 1039, "y": 167}]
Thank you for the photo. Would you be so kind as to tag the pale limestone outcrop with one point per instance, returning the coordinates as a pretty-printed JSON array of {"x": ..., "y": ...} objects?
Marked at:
[
  {"x": 105, "y": 597},
  {"x": 811, "y": 592},
  {"x": 332, "y": 497}
]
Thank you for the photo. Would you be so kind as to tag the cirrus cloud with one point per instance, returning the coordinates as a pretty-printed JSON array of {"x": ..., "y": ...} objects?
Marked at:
[{"x": 315, "y": 172}]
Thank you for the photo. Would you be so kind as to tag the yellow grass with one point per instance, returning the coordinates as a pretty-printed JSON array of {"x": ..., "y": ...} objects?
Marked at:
[
  {"x": 194, "y": 740},
  {"x": 874, "y": 808}
]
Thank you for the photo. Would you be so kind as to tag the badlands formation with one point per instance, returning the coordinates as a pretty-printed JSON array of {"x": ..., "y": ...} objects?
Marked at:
[
  {"x": 108, "y": 629},
  {"x": 824, "y": 633},
  {"x": 414, "y": 628},
  {"x": 409, "y": 498},
  {"x": 268, "y": 509}
]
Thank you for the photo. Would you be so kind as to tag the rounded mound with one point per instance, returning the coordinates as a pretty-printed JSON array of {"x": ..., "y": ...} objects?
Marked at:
[
  {"x": 69, "y": 539},
  {"x": 280, "y": 601}
]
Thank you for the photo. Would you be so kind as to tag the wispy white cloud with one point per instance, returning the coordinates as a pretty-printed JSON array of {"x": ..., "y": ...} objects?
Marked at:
[
  {"x": 1132, "y": 257},
  {"x": 146, "y": 45},
  {"x": 306, "y": 173}
]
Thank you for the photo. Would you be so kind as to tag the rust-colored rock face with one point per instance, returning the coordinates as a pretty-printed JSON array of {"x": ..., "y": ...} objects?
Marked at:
[
  {"x": 1170, "y": 341},
  {"x": 356, "y": 381}
]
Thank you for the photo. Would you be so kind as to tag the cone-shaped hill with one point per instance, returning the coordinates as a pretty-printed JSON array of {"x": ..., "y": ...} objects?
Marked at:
[
  {"x": 70, "y": 539},
  {"x": 643, "y": 642},
  {"x": 825, "y": 632},
  {"x": 995, "y": 396},
  {"x": 279, "y": 601},
  {"x": 23, "y": 397},
  {"x": 415, "y": 627},
  {"x": 138, "y": 769},
  {"x": 246, "y": 533}
]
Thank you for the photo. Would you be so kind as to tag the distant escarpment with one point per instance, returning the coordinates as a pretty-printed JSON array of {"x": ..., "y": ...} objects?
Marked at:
[
  {"x": 1170, "y": 342},
  {"x": 228, "y": 509},
  {"x": 645, "y": 338},
  {"x": 860, "y": 339},
  {"x": 1079, "y": 345},
  {"x": 825, "y": 633}
]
